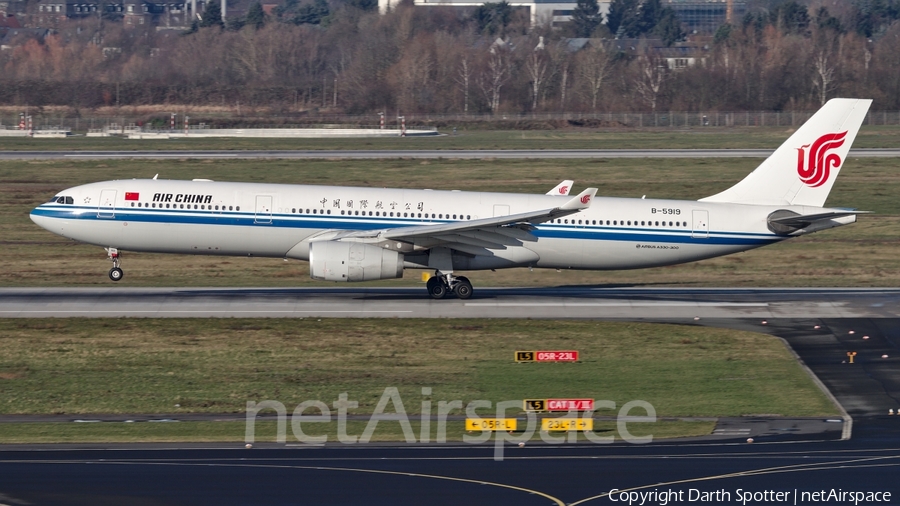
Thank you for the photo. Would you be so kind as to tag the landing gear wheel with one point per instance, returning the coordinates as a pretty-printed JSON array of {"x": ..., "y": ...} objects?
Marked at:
[
  {"x": 436, "y": 288},
  {"x": 116, "y": 274},
  {"x": 463, "y": 288}
]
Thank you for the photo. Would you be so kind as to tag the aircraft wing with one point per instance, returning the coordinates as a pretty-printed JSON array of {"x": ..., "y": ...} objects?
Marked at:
[{"x": 474, "y": 236}]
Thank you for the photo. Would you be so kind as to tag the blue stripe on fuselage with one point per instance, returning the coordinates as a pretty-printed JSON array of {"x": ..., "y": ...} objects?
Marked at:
[{"x": 587, "y": 232}]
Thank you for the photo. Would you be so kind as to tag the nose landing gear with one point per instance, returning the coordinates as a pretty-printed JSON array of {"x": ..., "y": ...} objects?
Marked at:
[{"x": 115, "y": 273}]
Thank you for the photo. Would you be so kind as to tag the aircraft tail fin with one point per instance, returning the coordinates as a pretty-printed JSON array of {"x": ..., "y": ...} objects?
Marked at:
[{"x": 802, "y": 171}]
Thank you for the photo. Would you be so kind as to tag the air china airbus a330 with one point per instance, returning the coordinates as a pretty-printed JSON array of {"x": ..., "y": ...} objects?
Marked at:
[{"x": 363, "y": 234}]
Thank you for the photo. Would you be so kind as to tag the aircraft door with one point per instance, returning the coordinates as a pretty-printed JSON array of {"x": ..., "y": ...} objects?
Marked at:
[
  {"x": 106, "y": 208},
  {"x": 700, "y": 229},
  {"x": 263, "y": 210}
]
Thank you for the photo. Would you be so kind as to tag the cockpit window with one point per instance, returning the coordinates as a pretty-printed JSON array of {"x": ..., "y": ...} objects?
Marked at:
[{"x": 63, "y": 200}]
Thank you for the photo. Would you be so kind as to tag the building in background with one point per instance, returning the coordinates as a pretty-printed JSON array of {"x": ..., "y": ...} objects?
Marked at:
[
  {"x": 540, "y": 11},
  {"x": 706, "y": 16},
  {"x": 697, "y": 16}
]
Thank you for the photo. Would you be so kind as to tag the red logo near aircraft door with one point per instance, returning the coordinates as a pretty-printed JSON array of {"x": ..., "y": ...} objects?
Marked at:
[{"x": 814, "y": 167}]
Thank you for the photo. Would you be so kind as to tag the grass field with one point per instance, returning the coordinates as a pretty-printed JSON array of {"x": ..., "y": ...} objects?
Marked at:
[
  {"x": 862, "y": 254},
  {"x": 621, "y": 138},
  {"x": 83, "y": 366}
]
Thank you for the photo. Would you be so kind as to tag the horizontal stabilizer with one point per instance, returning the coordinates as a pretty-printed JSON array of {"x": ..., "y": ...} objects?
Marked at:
[{"x": 785, "y": 222}]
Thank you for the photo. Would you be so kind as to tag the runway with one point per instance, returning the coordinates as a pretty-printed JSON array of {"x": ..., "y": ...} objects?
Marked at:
[
  {"x": 421, "y": 154},
  {"x": 577, "y": 302}
]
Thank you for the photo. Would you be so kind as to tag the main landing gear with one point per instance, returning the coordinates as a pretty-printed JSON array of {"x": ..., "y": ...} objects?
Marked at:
[
  {"x": 440, "y": 285},
  {"x": 115, "y": 273}
]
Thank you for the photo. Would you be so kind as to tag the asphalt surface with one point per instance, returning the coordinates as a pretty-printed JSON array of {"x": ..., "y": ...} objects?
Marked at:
[
  {"x": 771, "y": 470},
  {"x": 592, "y": 302},
  {"x": 424, "y": 154}
]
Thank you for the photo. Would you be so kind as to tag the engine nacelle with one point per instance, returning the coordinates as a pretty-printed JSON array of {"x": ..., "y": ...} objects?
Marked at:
[{"x": 353, "y": 261}]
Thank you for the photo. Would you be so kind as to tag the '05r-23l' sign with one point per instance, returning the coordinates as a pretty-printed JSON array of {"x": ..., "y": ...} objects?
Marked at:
[{"x": 547, "y": 356}]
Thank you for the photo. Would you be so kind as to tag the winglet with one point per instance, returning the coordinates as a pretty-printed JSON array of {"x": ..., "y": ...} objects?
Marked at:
[
  {"x": 580, "y": 201},
  {"x": 562, "y": 189}
]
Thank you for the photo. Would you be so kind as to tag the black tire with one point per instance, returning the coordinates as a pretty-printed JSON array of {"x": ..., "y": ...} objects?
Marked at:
[
  {"x": 438, "y": 290},
  {"x": 116, "y": 274},
  {"x": 463, "y": 288}
]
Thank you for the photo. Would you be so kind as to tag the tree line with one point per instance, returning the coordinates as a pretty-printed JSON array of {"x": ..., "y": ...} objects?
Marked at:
[{"x": 345, "y": 57}]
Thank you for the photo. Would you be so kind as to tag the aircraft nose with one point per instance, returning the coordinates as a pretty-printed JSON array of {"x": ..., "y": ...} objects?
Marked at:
[{"x": 38, "y": 219}]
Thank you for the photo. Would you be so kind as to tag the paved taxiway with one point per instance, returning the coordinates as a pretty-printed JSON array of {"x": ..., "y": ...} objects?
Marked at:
[{"x": 425, "y": 154}]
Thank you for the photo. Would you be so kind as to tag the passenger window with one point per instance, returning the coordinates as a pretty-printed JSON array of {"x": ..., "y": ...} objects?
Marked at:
[
  {"x": 132, "y": 204},
  {"x": 642, "y": 223},
  {"x": 238, "y": 208}
]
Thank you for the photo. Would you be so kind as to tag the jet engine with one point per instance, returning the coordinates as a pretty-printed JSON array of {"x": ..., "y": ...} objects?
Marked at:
[{"x": 353, "y": 261}]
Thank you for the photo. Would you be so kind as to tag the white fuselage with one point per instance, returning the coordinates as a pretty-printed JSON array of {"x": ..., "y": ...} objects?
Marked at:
[{"x": 279, "y": 220}]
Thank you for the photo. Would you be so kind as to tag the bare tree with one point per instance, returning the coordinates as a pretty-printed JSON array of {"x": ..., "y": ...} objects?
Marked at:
[
  {"x": 497, "y": 73},
  {"x": 536, "y": 65},
  {"x": 595, "y": 65},
  {"x": 464, "y": 78},
  {"x": 824, "y": 76},
  {"x": 651, "y": 75}
]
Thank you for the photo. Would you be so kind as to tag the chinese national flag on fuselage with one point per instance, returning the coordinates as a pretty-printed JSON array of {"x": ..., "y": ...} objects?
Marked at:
[{"x": 132, "y": 196}]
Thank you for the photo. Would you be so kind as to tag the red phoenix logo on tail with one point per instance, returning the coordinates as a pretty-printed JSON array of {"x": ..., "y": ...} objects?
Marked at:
[
  {"x": 815, "y": 169},
  {"x": 585, "y": 199}
]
